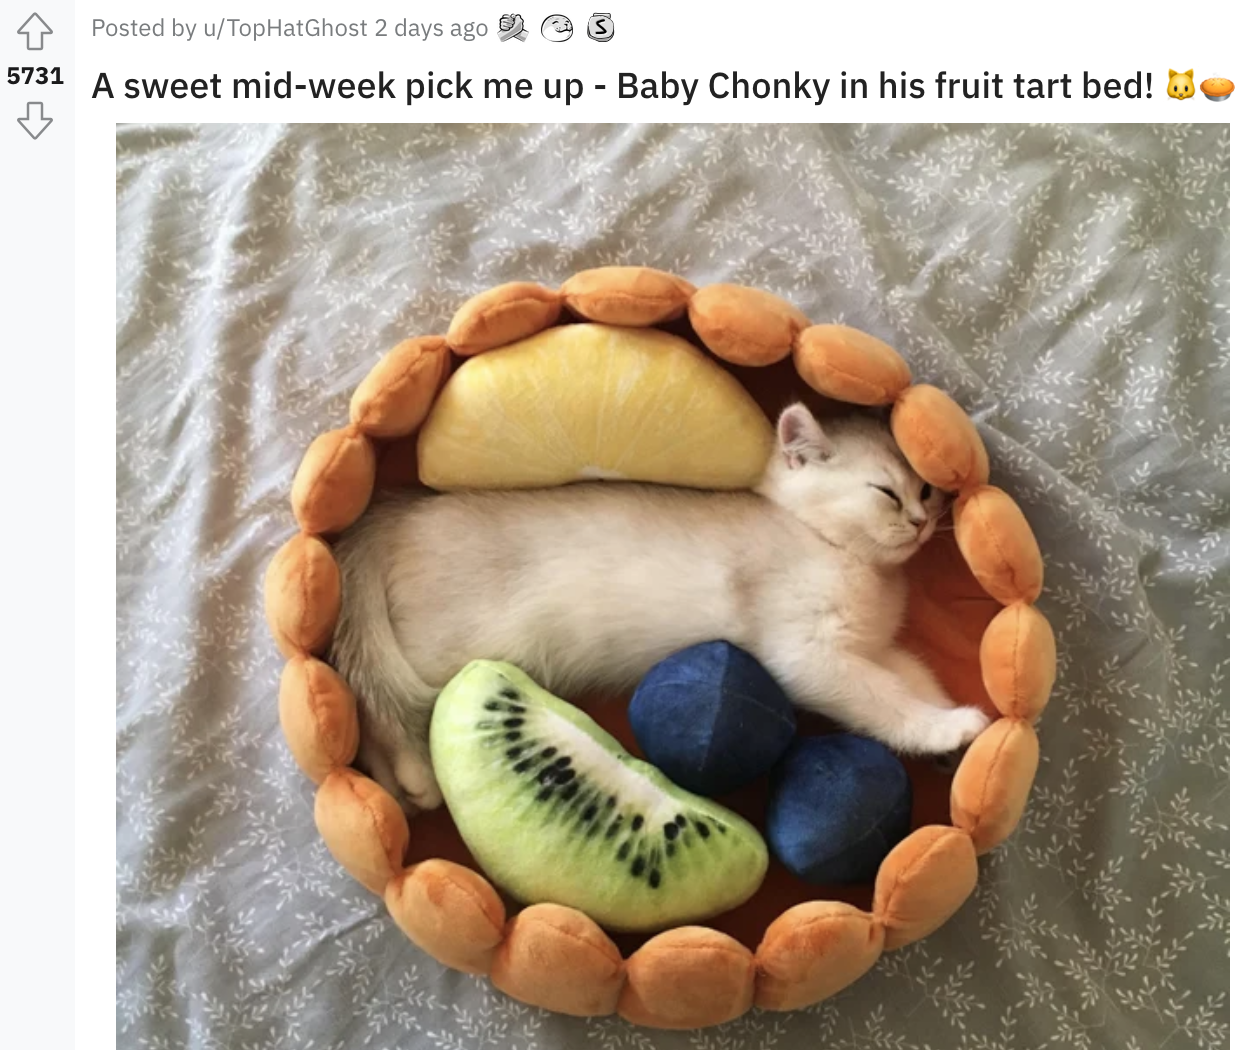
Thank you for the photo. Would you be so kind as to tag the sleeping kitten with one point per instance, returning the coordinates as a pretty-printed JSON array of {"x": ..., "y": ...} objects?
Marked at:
[{"x": 585, "y": 587}]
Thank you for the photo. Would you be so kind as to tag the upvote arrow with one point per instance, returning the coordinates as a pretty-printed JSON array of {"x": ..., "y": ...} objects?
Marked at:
[
  {"x": 35, "y": 29},
  {"x": 34, "y": 123}
]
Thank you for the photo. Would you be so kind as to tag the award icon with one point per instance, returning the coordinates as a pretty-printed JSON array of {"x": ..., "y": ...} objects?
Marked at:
[
  {"x": 557, "y": 28},
  {"x": 510, "y": 27},
  {"x": 601, "y": 26}
]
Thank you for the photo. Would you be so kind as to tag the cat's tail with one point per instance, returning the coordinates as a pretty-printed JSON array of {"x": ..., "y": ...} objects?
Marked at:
[{"x": 394, "y": 703}]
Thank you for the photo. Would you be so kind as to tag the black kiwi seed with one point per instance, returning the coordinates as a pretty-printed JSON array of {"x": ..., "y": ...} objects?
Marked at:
[
  {"x": 613, "y": 830},
  {"x": 655, "y": 879},
  {"x": 670, "y": 830},
  {"x": 524, "y": 766},
  {"x": 588, "y": 813},
  {"x": 564, "y": 776},
  {"x": 671, "y": 849},
  {"x": 638, "y": 867},
  {"x": 563, "y": 762},
  {"x": 510, "y": 693},
  {"x": 610, "y": 802},
  {"x": 569, "y": 792},
  {"x": 622, "y": 852},
  {"x": 513, "y": 723},
  {"x": 680, "y": 820},
  {"x": 549, "y": 752},
  {"x": 513, "y": 752},
  {"x": 637, "y": 821},
  {"x": 514, "y": 735},
  {"x": 702, "y": 829},
  {"x": 545, "y": 794},
  {"x": 492, "y": 705},
  {"x": 549, "y": 772}
]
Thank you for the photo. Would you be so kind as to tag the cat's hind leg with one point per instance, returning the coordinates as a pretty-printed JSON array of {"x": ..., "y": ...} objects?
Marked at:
[{"x": 398, "y": 760}]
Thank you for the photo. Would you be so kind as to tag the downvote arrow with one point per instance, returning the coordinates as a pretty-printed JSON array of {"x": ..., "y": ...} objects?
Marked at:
[
  {"x": 34, "y": 123},
  {"x": 35, "y": 29}
]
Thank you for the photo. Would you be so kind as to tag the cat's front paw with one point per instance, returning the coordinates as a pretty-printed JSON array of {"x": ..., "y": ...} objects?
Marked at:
[{"x": 953, "y": 729}]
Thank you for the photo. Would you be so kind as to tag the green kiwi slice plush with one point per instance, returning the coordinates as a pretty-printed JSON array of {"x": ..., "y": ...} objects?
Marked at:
[{"x": 555, "y": 810}]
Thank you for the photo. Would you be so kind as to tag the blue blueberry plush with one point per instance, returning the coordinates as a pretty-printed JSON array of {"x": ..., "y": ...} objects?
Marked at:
[
  {"x": 711, "y": 718},
  {"x": 837, "y": 805}
]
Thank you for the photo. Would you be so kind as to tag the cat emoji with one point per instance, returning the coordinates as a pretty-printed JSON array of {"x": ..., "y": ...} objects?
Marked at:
[{"x": 1181, "y": 85}]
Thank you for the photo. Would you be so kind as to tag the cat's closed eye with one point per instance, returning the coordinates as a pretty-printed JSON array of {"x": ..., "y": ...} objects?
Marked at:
[
  {"x": 891, "y": 493},
  {"x": 927, "y": 491}
]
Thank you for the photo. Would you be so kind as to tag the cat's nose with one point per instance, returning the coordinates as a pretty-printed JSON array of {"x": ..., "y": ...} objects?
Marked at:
[{"x": 920, "y": 521}]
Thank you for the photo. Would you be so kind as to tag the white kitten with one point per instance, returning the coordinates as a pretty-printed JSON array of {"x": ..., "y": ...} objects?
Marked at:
[{"x": 586, "y": 587}]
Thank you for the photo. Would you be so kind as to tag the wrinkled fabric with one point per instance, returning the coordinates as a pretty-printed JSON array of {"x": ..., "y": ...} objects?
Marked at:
[{"x": 1068, "y": 285}]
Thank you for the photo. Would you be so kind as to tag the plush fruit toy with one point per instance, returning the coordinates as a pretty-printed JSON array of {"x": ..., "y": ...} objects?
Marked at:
[
  {"x": 838, "y": 805},
  {"x": 711, "y": 718},
  {"x": 556, "y": 811},
  {"x": 587, "y": 401}
]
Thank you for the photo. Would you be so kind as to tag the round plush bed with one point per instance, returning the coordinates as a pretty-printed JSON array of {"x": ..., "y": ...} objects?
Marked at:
[{"x": 971, "y": 617}]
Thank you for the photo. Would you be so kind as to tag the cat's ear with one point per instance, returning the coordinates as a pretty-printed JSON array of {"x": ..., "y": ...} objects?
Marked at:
[
  {"x": 801, "y": 439},
  {"x": 1172, "y": 74},
  {"x": 1189, "y": 73}
]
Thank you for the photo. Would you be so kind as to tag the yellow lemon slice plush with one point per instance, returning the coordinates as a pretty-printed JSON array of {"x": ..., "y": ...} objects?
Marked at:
[{"x": 593, "y": 402}]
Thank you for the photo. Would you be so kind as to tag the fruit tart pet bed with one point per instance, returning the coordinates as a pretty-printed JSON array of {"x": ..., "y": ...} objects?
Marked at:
[{"x": 971, "y": 615}]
